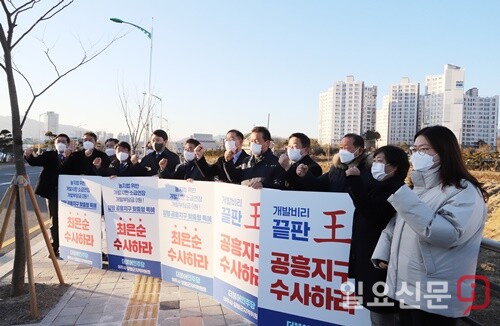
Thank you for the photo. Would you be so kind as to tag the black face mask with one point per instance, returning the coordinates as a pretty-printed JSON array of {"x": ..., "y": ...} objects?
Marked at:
[{"x": 158, "y": 147}]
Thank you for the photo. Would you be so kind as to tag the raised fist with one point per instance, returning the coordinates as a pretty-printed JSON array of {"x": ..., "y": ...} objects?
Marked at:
[
  {"x": 163, "y": 163},
  {"x": 302, "y": 170},
  {"x": 97, "y": 162},
  {"x": 199, "y": 151},
  {"x": 228, "y": 155},
  {"x": 284, "y": 161}
]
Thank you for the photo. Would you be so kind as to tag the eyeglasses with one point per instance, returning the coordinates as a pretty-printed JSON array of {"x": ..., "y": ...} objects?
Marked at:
[{"x": 421, "y": 150}]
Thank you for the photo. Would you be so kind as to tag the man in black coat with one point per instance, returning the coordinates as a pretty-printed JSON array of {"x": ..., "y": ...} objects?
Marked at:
[
  {"x": 84, "y": 161},
  {"x": 234, "y": 143},
  {"x": 297, "y": 153},
  {"x": 121, "y": 166},
  {"x": 150, "y": 163},
  {"x": 52, "y": 162},
  {"x": 188, "y": 169},
  {"x": 259, "y": 170}
]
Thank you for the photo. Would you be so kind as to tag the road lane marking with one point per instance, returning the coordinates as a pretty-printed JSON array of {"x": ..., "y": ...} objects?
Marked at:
[{"x": 33, "y": 229}]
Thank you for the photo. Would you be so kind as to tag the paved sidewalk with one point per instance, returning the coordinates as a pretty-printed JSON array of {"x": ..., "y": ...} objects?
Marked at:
[{"x": 104, "y": 297}]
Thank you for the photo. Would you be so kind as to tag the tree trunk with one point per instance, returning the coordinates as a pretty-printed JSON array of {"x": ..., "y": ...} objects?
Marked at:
[{"x": 17, "y": 285}]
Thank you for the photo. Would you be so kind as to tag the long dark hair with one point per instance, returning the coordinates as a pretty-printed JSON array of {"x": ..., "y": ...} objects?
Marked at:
[{"x": 452, "y": 168}]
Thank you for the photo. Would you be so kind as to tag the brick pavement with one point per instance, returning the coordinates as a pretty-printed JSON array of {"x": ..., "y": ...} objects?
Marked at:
[{"x": 105, "y": 297}]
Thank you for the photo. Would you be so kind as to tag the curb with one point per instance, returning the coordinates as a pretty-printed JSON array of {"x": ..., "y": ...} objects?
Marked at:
[{"x": 7, "y": 260}]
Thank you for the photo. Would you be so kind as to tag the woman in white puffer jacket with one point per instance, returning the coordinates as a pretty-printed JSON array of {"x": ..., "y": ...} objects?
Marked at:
[{"x": 431, "y": 246}]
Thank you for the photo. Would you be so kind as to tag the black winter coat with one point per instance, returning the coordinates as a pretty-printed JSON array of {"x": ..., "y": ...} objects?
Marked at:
[
  {"x": 78, "y": 163},
  {"x": 292, "y": 180},
  {"x": 373, "y": 212},
  {"x": 184, "y": 171},
  {"x": 216, "y": 170},
  {"x": 126, "y": 170},
  {"x": 49, "y": 177},
  {"x": 265, "y": 167},
  {"x": 150, "y": 163}
]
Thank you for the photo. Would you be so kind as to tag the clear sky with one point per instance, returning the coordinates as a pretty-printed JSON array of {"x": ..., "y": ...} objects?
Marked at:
[{"x": 219, "y": 65}]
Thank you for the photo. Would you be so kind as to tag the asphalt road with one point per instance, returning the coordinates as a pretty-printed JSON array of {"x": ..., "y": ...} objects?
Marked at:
[{"x": 7, "y": 172}]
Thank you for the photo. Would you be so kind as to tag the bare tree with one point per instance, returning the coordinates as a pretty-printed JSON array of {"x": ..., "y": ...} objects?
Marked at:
[
  {"x": 136, "y": 120},
  {"x": 8, "y": 41}
]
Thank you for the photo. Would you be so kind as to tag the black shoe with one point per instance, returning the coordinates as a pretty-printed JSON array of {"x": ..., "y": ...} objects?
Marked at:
[{"x": 55, "y": 252}]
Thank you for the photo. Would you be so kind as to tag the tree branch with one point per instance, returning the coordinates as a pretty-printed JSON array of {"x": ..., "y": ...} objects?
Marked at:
[
  {"x": 85, "y": 59},
  {"x": 46, "y": 16},
  {"x": 27, "y": 6}
]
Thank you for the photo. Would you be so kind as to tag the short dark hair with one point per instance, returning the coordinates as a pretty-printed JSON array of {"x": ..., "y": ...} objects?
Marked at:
[
  {"x": 123, "y": 144},
  {"x": 238, "y": 133},
  {"x": 114, "y": 140},
  {"x": 396, "y": 157},
  {"x": 91, "y": 134},
  {"x": 192, "y": 141},
  {"x": 358, "y": 141},
  {"x": 64, "y": 136},
  {"x": 452, "y": 169},
  {"x": 304, "y": 140},
  {"x": 161, "y": 133},
  {"x": 264, "y": 131}
]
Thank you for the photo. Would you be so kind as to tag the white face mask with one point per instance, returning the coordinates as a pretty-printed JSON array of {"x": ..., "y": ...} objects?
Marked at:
[
  {"x": 421, "y": 162},
  {"x": 189, "y": 156},
  {"x": 378, "y": 171},
  {"x": 122, "y": 156},
  {"x": 61, "y": 147},
  {"x": 255, "y": 148},
  {"x": 346, "y": 156},
  {"x": 88, "y": 145},
  {"x": 230, "y": 145},
  {"x": 294, "y": 154},
  {"x": 110, "y": 151}
]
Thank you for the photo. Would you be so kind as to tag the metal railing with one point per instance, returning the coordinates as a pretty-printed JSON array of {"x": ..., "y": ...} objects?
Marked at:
[{"x": 492, "y": 245}]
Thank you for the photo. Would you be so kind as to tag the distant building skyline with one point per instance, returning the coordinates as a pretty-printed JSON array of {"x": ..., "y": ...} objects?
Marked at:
[
  {"x": 50, "y": 122},
  {"x": 344, "y": 108},
  {"x": 405, "y": 110},
  {"x": 397, "y": 120},
  {"x": 480, "y": 119}
]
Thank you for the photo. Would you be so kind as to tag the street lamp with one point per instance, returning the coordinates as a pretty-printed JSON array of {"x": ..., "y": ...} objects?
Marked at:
[
  {"x": 161, "y": 108},
  {"x": 166, "y": 120},
  {"x": 150, "y": 35}
]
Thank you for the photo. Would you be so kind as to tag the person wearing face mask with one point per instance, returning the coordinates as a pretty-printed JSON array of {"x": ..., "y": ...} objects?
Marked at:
[
  {"x": 121, "y": 166},
  {"x": 436, "y": 233},
  {"x": 186, "y": 170},
  {"x": 88, "y": 160},
  {"x": 149, "y": 164},
  {"x": 351, "y": 154},
  {"x": 109, "y": 148},
  {"x": 373, "y": 212},
  {"x": 233, "y": 143},
  {"x": 52, "y": 162},
  {"x": 297, "y": 153},
  {"x": 259, "y": 170}
]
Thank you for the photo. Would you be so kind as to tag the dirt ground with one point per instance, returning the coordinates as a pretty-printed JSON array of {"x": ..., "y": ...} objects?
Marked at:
[{"x": 15, "y": 311}]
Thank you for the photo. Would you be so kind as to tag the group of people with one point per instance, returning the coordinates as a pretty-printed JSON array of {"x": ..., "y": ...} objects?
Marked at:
[{"x": 406, "y": 237}]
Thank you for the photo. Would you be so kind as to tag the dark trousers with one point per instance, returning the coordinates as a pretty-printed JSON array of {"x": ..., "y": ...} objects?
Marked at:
[
  {"x": 54, "y": 216},
  {"x": 417, "y": 317}
]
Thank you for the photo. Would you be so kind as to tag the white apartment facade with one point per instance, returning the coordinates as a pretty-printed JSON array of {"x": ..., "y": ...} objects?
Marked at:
[
  {"x": 397, "y": 120},
  {"x": 444, "y": 95},
  {"x": 50, "y": 122},
  {"x": 480, "y": 119},
  {"x": 342, "y": 110}
]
